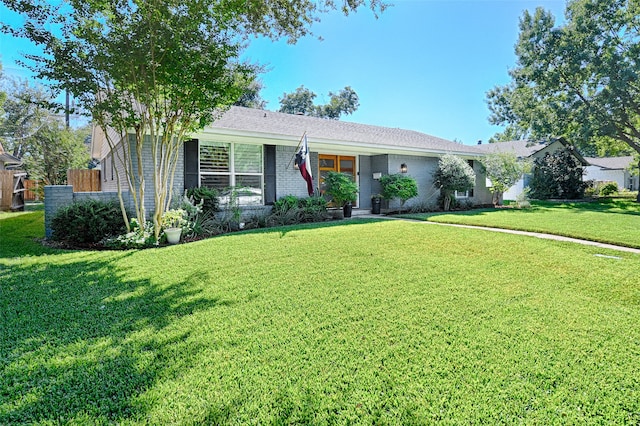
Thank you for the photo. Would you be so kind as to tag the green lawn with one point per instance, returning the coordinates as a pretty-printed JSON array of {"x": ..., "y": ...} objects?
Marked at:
[
  {"x": 378, "y": 322},
  {"x": 614, "y": 221}
]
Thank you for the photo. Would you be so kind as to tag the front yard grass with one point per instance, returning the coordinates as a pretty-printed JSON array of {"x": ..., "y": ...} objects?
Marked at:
[
  {"x": 613, "y": 221},
  {"x": 386, "y": 322}
]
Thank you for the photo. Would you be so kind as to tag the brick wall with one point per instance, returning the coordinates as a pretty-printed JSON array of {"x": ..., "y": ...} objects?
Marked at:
[
  {"x": 58, "y": 196},
  {"x": 288, "y": 179},
  {"x": 110, "y": 184}
]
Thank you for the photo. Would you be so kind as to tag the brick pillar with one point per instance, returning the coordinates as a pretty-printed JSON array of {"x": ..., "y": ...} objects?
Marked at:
[{"x": 55, "y": 197}]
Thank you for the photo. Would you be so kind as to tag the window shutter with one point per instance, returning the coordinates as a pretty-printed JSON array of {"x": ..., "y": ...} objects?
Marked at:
[{"x": 191, "y": 164}]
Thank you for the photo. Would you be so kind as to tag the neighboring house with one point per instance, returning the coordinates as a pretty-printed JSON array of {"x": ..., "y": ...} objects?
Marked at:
[
  {"x": 8, "y": 161},
  {"x": 527, "y": 150},
  {"x": 254, "y": 150},
  {"x": 612, "y": 169}
]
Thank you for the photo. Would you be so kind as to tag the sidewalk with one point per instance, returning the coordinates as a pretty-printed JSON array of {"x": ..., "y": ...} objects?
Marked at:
[{"x": 511, "y": 231}]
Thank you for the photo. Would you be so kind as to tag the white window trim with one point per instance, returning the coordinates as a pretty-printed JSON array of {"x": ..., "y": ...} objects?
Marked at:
[{"x": 232, "y": 173}]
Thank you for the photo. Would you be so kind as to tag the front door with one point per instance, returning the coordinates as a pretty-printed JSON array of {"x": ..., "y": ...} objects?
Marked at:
[{"x": 336, "y": 163}]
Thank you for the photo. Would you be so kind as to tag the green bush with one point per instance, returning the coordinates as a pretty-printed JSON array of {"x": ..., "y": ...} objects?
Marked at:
[
  {"x": 609, "y": 188},
  {"x": 290, "y": 210},
  {"x": 285, "y": 204},
  {"x": 87, "y": 222},
  {"x": 209, "y": 196},
  {"x": 557, "y": 175},
  {"x": 341, "y": 188},
  {"x": 398, "y": 186}
]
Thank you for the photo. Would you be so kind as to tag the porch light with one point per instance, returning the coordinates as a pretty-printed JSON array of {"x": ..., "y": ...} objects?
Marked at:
[{"x": 403, "y": 168}]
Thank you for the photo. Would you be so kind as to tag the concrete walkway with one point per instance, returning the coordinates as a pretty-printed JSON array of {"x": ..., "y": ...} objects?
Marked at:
[{"x": 511, "y": 231}]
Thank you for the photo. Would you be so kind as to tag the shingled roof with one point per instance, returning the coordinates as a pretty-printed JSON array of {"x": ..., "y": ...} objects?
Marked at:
[
  {"x": 257, "y": 121},
  {"x": 525, "y": 148},
  {"x": 611, "y": 163},
  {"x": 522, "y": 148}
]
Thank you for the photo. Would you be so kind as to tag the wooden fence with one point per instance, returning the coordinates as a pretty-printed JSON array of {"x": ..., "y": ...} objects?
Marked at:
[
  {"x": 84, "y": 180},
  {"x": 33, "y": 190},
  {"x": 12, "y": 189}
]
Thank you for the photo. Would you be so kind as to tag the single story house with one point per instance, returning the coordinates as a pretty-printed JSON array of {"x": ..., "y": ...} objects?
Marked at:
[
  {"x": 254, "y": 150},
  {"x": 524, "y": 149},
  {"x": 612, "y": 169}
]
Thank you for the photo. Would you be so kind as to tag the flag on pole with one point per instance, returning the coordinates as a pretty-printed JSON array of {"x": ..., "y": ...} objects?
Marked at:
[{"x": 304, "y": 165}]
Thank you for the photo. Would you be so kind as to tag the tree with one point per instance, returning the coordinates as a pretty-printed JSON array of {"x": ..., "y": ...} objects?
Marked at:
[
  {"x": 301, "y": 102},
  {"x": 160, "y": 69},
  {"x": 54, "y": 150},
  {"x": 298, "y": 102},
  {"x": 557, "y": 175},
  {"x": 37, "y": 136},
  {"x": 579, "y": 80},
  {"x": 398, "y": 186},
  {"x": 503, "y": 169},
  {"x": 251, "y": 98},
  {"x": 453, "y": 174},
  {"x": 24, "y": 112}
]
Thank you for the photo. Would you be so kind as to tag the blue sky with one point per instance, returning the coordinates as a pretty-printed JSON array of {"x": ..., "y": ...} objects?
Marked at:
[{"x": 423, "y": 65}]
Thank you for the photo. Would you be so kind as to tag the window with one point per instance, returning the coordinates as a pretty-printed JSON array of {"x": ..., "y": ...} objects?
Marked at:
[{"x": 235, "y": 170}]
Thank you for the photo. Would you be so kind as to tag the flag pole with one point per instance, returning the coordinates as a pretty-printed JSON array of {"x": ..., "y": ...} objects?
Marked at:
[{"x": 295, "y": 151}]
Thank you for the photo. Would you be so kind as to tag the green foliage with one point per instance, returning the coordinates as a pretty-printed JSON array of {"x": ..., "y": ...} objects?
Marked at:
[
  {"x": 301, "y": 102},
  {"x": 504, "y": 170},
  {"x": 341, "y": 188},
  {"x": 289, "y": 210},
  {"x": 557, "y": 175},
  {"x": 30, "y": 131},
  {"x": 578, "y": 79},
  {"x": 138, "y": 237},
  {"x": 87, "y": 222},
  {"x": 609, "y": 188},
  {"x": 399, "y": 186},
  {"x": 453, "y": 174},
  {"x": 174, "y": 218},
  {"x": 522, "y": 199},
  {"x": 604, "y": 189},
  {"x": 207, "y": 196}
]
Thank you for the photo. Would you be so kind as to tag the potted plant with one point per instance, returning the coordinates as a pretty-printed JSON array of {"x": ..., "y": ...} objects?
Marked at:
[
  {"x": 376, "y": 201},
  {"x": 172, "y": 222},
  {"x": 342, "y": 190}
]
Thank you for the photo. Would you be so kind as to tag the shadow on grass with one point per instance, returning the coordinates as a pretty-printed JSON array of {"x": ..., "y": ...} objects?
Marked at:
[{"x": 80, "y": 342}]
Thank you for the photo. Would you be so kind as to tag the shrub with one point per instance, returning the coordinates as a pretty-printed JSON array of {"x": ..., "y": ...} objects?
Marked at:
[
  {"x": 208, "y": 197},
  {"x": 87, "y": 222},
  {"x": 341, "y": 188},
  {"x": 289, "y": 210},
  {"x": 285, "y": 203},
  {"x": 137, "y": 238},
  {"x": 503, "y": 169},
  {"x": 557, "y": 175},
  {"x": 453, "y": 174},
  {"x": 398, "y": 186},
  {"x": 314, "y": 209},
  {"x": 609, "y": 188}
]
